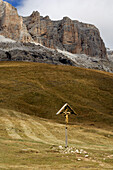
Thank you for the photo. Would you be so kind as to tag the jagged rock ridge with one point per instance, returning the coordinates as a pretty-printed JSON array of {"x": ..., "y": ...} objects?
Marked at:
[{"x": 72, "y": 36}]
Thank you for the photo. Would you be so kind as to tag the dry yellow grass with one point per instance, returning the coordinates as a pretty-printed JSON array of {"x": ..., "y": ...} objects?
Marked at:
[
  {"x": 30, "y": 131},
  {"x": 28, "y": 142},
  {"x": 42, "y": 89}
]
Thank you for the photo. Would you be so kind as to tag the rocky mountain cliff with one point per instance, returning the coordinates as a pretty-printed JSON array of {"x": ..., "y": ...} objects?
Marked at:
[
  {"x": 29, "y": 52},
  {"x": 73, "y": 36},
  {"x": 39, "y": 39}
]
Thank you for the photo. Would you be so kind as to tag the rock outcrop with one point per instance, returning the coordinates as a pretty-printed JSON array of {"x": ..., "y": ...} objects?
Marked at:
[
  {"x": 66, "y": 34},
  {"x": 32, "y": 53},
  {"x": 110, "y": 55},
  {"x": 73, "y": 36},
  {"x": 29, "y": 52},
  {"x": 11, "y": 24}
]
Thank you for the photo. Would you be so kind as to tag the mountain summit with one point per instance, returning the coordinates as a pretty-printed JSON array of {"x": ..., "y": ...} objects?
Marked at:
[{"x": 66, "y": 34}]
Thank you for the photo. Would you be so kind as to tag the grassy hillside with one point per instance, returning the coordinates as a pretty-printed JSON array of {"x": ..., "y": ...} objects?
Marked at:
[
  {"x": 30, "y": 131},
  {"x": 30, "y": 142},
  {"x": 42, "y": 89}
]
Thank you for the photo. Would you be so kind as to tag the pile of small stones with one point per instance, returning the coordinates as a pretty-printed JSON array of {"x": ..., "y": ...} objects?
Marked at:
[{"x": 73, "y": 150}]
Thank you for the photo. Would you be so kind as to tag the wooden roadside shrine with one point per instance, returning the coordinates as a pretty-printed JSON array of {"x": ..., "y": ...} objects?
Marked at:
[{"x": 66, "y": 110}]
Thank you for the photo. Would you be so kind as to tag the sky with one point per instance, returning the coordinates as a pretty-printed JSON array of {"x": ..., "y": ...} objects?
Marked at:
[
  {"x": 15, "y": 3},
  {"x": 97, "y": 12}
]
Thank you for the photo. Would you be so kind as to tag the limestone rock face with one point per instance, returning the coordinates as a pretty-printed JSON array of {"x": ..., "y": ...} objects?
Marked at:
[
  {"x": 65, "y": 34},
  {"x": 11, "y": 24},
  {"x": 72, "y": 36}
]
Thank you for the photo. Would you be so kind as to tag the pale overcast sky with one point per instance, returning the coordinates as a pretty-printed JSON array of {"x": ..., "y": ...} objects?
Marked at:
[{"x": 97, "y": 12}]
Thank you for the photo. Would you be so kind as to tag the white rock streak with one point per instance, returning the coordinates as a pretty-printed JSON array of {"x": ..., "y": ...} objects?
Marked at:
[{"x": 5, "y": 40}]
